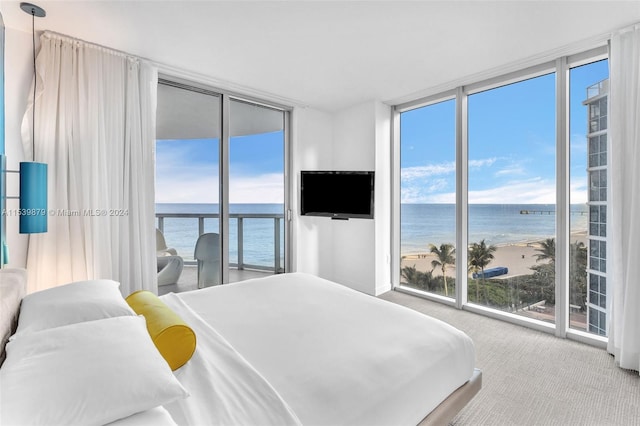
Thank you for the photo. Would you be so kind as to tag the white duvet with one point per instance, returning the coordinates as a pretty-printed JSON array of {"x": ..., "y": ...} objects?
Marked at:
[{"x": 297, "y": 348}]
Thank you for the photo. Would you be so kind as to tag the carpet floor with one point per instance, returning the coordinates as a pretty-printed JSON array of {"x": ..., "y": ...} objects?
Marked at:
[{"x": 534, "y": 378}]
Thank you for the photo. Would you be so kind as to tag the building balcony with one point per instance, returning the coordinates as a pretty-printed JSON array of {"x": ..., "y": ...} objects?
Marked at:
[{"x": 256, "y": 244}]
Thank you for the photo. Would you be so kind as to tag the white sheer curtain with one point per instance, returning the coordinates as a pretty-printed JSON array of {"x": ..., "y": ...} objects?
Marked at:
[
  {"x": 624, "y": 215},
  {"x": 95, "y": 128}
]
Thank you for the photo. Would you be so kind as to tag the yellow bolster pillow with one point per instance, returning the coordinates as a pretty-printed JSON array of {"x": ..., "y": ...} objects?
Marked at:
[{"x": 174, "y": 339}]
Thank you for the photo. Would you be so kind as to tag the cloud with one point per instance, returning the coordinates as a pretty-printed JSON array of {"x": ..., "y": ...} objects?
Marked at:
[
  {"x": 513, "y": 170},
  {"x": 578, "y": 192},
  {"x": 486, "y": 162},
  {"x": 425, "y": 184},
  {"x": 426, "y": 193},
  {"x": 530, "y": 191},
  {"x": 419, "y": 172},
  {"x": 183, "y": 176},
  {"x": 266, "y": 188},
  {"x": 200, "y": 185},
  {"x": 187, "y": 186},
  {"x": 578, "y": 143}
]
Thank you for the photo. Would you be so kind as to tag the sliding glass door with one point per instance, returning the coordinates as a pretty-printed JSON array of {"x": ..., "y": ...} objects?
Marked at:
[
  {"x": 188, "y": 131},
  {"x": 220, "y": 186},
  {"x": 256, "y": 190}
]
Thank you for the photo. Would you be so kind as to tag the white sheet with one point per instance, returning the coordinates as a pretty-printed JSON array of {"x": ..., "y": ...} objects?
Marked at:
[
  {"x": 157, "y": 416},
  {"x": 336, "y": 356},
  {"x": 224, "y": 388}
]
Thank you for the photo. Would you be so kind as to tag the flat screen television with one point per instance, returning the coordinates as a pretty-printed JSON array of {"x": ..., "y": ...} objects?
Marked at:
[{"x": 337, "y": 194}]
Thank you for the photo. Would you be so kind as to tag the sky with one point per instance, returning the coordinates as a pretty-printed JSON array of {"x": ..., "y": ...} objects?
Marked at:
[
  {"x": 511, "y": 150},
  {"x": 187, "y": 170}
]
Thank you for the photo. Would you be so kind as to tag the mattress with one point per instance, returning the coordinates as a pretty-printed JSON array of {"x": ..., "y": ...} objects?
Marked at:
[{"x": 321, "y": 354}]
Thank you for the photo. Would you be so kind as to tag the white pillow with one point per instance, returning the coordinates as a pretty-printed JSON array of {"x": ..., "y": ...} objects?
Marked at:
[
  {"x": 89, "y": 373},
  {"x": 70, "y": 304}
]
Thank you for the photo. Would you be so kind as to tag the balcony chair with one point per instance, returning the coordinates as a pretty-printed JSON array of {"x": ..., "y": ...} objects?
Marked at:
[
  {"x": 207, "y": 253},
  {"x": 161, "y": 245},
  {"x": 169, "y": 263}
]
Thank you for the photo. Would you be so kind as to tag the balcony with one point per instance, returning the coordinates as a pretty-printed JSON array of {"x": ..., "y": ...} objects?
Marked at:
[
  {"x": 597, "y": 89},
  {"x": 255, "y": 243}
]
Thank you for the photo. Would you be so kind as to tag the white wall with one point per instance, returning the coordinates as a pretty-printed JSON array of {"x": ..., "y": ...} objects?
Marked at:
[
  {"x": 383, "y": 149},
  {"x": 354, "y": 252},
  {"x": 312, "y": 149},
  {"x": 18, "y": 73}
]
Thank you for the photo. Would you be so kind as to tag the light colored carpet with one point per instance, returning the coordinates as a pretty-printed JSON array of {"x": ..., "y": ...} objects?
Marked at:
[{"x": 533, "y": 378}]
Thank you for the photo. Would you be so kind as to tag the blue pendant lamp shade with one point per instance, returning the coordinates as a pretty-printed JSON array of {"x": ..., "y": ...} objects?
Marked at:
[{"x": 33, "y": 197}]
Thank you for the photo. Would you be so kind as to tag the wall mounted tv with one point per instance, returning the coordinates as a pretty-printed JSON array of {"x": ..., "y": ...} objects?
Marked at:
[{"x": 337, "y": 194}]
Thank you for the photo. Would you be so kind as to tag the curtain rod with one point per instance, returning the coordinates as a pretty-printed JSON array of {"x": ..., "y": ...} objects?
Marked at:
[
  {"x": 196, "y": 77},
  {"x": 57, "y": 36}
]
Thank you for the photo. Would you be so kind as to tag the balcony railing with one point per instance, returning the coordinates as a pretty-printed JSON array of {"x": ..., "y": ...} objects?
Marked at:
[
  {"x": 277, "y": 218},
  {"x": 598, "y": 89}
]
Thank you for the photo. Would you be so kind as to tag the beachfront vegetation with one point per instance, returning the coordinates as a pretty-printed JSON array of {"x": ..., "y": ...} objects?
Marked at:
[
  {"x": 512, "y": 293},
  {"x": 445, "y": 256},
  {"x": 479, "y": 256},
  {"x": 426, "y": 281},
  {"x": 547, "y": 250}
]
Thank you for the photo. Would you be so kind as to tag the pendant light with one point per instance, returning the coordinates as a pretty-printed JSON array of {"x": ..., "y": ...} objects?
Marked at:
[{"x": 33, "y": 175}]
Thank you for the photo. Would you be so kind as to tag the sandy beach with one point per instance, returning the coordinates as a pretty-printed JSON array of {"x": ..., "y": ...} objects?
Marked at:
[{"x": 517, "y": 257}]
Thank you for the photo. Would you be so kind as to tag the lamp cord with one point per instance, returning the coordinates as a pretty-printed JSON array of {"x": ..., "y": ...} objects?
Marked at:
[{"x": 35, "y": 82}]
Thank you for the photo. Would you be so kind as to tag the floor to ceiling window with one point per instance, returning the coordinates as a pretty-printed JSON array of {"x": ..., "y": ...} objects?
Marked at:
[
  {"x": 512, "y": 191},
  {"x": 220, "y": 183},
  {"x": 427, "y": 192},
  {"x": 515, "y": 169},
  {"x": 588, "y": 267}
]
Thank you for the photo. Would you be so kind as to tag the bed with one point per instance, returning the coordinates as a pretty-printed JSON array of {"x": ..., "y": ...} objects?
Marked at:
[{"x": 286, "y": 349}]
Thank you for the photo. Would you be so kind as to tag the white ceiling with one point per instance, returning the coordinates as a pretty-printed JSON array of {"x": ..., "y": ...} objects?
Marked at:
[{"x": 331, "y": 54}]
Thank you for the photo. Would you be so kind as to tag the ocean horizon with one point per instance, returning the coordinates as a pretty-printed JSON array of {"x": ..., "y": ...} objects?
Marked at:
[
  {"x": 258, "y": 244},
  {"x": 421, "y": 225},
  {"x": 497, "y": 224}
]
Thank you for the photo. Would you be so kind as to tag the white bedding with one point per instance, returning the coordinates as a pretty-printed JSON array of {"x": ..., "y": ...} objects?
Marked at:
[
  {"x": 224, "y": 388},
  {"x": 329, "y": 354},
  {"x": 157, "y": 416}
]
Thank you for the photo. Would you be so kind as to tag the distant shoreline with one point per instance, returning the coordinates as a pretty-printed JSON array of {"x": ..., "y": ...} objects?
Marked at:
[{"x": 518, "y": 257}]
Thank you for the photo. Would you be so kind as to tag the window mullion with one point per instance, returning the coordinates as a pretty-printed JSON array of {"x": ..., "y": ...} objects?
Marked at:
[
  {"x": 562, "y": 198},
  {"x": 462, "y": 160}
]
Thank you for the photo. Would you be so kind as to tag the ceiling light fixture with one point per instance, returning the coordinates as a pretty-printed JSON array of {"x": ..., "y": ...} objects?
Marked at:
[{"x": 33, "y": 175}]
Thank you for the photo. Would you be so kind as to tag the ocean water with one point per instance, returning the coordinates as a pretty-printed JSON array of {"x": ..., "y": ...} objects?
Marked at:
[
  {"x": 258, "y": 242},
  {"x": 424, "y": 224},
  {"x": 421, "y": 225}
]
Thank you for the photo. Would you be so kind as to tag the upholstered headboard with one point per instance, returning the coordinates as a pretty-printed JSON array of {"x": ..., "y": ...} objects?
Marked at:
[{"x": 13, "y": 287}]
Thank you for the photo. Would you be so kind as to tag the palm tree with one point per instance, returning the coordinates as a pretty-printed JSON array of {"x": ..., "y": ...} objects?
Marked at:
[
  {"x": 445, "y": 257},
  {"x": 479, "y": 256},
  {"x": 578, "y": 273},
  {"x": 419, "y": 279},
  {"x": 410, "y": 273},
  {"x": 547, "y": 250}
]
